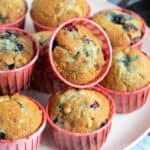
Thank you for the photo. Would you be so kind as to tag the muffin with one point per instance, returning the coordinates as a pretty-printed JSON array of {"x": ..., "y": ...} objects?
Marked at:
[
  {"x": 11, "y": 11},
  {"x": 42, "y": 38},
  {"x": 124, "y": 28},
  {"x": 77, "y": 54},
  {"x": 19, "y": 51},
  {"x": 81, "y": 118},
  {"x": 129, "y": 71},
  {"x": 42, "y": 71},
  {"x": 52, "y": 14},
  {"x": 16, "y": 50},
  {"x": 20, "y": 117},
  {"x": 79, "y": 110}
]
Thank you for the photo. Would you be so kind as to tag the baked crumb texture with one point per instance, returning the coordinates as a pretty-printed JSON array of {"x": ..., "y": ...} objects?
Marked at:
[
  {"x": 77, "y": 54},
  {"x": 11, "y": 10},
  {"x": 16, "y": 50},
  {"x": 123, "y": 29},
  {"x": 79, "y": 110},
  {"x": 53, "y": 13},
  {"x": 129, "y": 70},
  {"x": 19, "y": 117}
]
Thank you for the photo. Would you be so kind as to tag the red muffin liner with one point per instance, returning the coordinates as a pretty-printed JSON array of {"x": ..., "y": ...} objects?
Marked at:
[
  {"x": 127, "y": 102},
  {"x": 85, "y": 141},
  {"x": 106, "y": 48},
  {"x": 39, "y": 27},
  {"x": 14, "y": 80},
  {"x": 20, "y": 22},
  {"x": 139, "y": 43},
  {"x": 31, "y": 142}
]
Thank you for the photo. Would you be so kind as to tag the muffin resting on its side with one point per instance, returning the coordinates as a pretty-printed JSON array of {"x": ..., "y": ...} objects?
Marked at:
[
  {"x": 16, "y": 50},
  {"x": 79, "y": 110},
  {"x": 77, "y": 54},
  {"x": 53, "y": 13},
  {"x": 130, "y": 70},
  {"x": 19, "y": 117},
  {"x": 123, "y": 29},
  {"x": 11, "y": 10}
]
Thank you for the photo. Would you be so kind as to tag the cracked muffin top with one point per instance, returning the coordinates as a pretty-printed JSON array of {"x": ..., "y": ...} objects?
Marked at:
[
  {"x": 54, "y": 12},
  {"x": 11, "y": 10},
  {"x": 16, "y": 50},
  {"x": 123, "y": 29},
  {"x": 79, "y": 110},
  {"x": 77, "y": 54},
  {"x": 129, "y": 70},
  {"x": 19, "y": 117}
]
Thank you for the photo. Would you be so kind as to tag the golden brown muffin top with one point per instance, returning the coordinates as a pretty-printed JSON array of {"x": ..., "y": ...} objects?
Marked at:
[
  {"x": 54, "y": 12},
  {"x": 19, "y": 117},
  {"x": 16, "y": 50},
  {"x": 123, "y": 28},
  {"x": 79, "y": 110},
  {"x": 77, "y": 54},
  {"x": 129, "y": 70},
  {"x": 11, "y": 10}
]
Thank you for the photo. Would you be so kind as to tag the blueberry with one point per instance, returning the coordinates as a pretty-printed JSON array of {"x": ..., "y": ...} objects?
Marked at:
[
  {"x": 119, "y": 19},
  {"x": 10, "y": 66},
  {"x": 5, "y": 35},
  {"x": 20, "y": 46},
  {"x": 94, "y": 105},
  {"x": 136, "y": 39},
  {"x": 70, "y": 28},
  {"x": 103, "y": 123},
  {"x": 76, "y": 55},
  {"x": 130, "y": 26},
  {"x": 2, "y": 136}
]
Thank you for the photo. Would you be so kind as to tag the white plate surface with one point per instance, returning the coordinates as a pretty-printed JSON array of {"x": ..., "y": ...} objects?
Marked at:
[{"x": 126, "y": 127}]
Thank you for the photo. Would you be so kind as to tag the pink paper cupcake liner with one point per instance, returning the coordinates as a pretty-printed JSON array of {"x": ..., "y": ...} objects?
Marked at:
[
  {"x": 106, "y": 48},
  {"x": 20, "y": 22},
  {"x": 127, "y": 102},
  {"x": 67, "y": 140},
  {"x": 12, "y": 81},
  {"x": 43, "y": 79},
  {"x": 139, "y": 44},
  {"x": 30, "y": 143},
  {"x": 39, "y": 27}
]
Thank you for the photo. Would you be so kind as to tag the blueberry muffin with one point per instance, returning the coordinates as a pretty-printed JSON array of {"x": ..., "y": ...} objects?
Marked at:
[
  {"x": 129, "y": 70},
  {"x": 19, "y": 117},
  {"x": 53, "y": 13},
  {"x": 16, "y": 50},
  {"x": 11, "y": 10},
  {"x": 123, "y": 29},
  {"x": 77, "y": 54},
  {"x": 79, "y": 110},
  {"x": 42, "y": 38}
]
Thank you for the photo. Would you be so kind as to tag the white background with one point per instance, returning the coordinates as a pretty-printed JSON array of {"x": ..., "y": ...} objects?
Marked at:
[{"x": 126, "y": 127}]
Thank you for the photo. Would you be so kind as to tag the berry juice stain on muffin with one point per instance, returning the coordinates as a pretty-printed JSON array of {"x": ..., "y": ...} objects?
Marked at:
[
  {"x": 16, "y": 50},
  {"x": 19, "y": 117},
  {"x": 122, "y": 28},
  {"x": 129, "y": 71},
  {"x": 12, "y": 10},
  {"x": 79, "y": 110},
  {"x": 53, "y": 13},
  {"x": 77, "y": 54}
]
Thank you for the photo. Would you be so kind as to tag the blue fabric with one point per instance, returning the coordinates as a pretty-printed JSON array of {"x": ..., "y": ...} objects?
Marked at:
[{"x": 143, "y": 144}]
